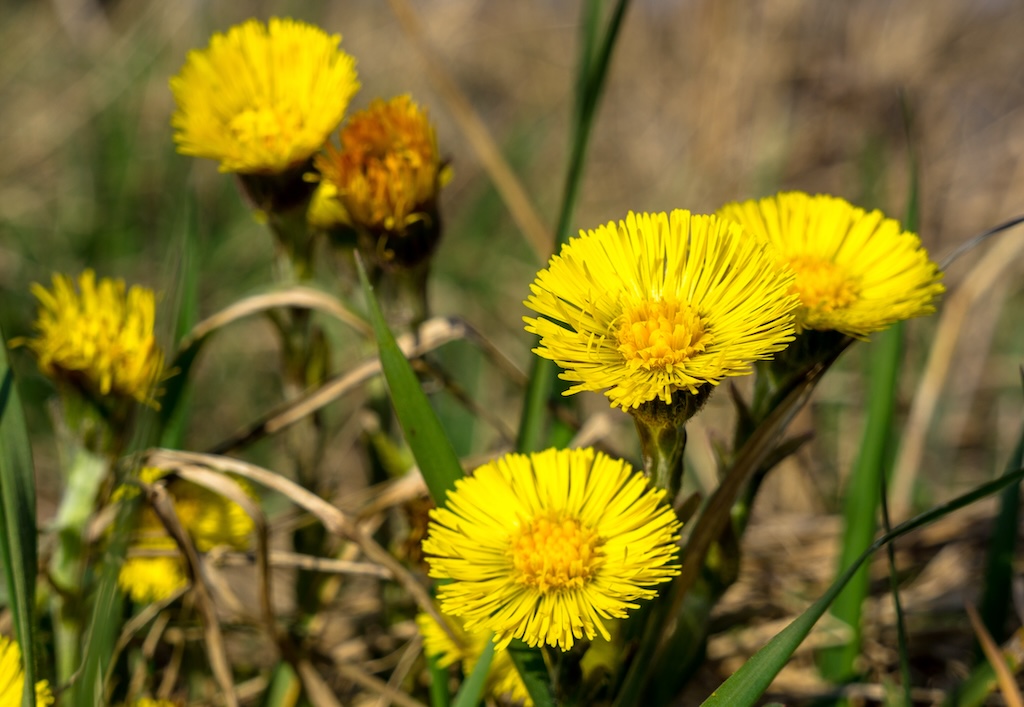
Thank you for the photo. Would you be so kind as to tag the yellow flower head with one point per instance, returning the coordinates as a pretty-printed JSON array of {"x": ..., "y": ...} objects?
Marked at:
[
  {"x": 154, "y": 569},
  {"x": 856, "y": 272},
  {"x": 547, "y": 547},
  {"x": 149, "y": 702},
  {"x": 99, "y": 336},
  {"x": 503, "y": 680},
  {"x": 262, "y": 98},
  {"x": 388, "y": 171},
  {"x": 12, "y": 677},
  {"x": 660, "y": 303}
]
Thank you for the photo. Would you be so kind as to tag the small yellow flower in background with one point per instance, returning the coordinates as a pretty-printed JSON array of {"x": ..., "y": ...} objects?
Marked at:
[
  {"x": 503, "y": 680},
  {"x": 660, "y": 303},
  {"x": 149, "y": 702},
  {"x": 388, "y": 171},
  {"x": 99, "y": 337},
  {"x": 546, "y": 547},
  {"x": 856, "y": 271},
  {"x": 325, "y": 210},
  {"x": 12, "y": 677},
  {"x": 210, "y": 520},
  {"x": 262, "y": 98}
]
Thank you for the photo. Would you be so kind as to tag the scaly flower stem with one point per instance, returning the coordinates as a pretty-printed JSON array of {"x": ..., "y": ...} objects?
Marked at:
[{"x": 662, "y": 432}]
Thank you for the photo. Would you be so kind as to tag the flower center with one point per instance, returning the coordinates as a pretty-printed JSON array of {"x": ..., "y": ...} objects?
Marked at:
[
  {"x": 265, "y": 127},
  {"x": 823, "y": 285},
  {"x": 661, "y": 334},
  {"x": 554, "y": 553}
]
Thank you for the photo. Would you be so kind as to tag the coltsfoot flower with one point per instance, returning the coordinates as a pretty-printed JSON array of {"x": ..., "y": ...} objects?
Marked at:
[
  {"x": 388, "y": 171},
  {"x": 547, "y": 547},
  {"x": 660, "y": 303},
  {"x": 154, "y": 570},
  {"x": 12, "y": 677},
  {"x": 856, "y": 271},
  {"x": 262, "y": 98},
  {"x": 503, "y": 680},
  {"x": 98, "y": 337}
]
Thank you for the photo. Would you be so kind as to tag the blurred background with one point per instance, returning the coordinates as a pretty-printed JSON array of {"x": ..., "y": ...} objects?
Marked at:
[{"x": 708, "y": 101}]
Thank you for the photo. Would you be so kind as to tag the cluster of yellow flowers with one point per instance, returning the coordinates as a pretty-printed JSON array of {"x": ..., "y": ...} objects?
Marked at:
[
  {"x": 154, "y": 569},
  {"x": 659, "y": 303},
  {"x": 264, "y": 99},
  {"x": 545, "y": 548}
]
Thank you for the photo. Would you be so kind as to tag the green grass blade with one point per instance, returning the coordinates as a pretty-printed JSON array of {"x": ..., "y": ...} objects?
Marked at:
[
  {"x": 996, "y": 597},
  {"x": 593, "y": 70},
  {"x": 439, "y": 696},
  {"x": 423, "y": 431},
  {"x": 18, "y": 519},
  {"x": 745, "y": 687},
  {"x": 862, "y": 497},
  {"x": 534, "y": 672},
  {"x": 894, "y": 588},
  {"x": 472, "y": 690},
  {"x": 174, "y": 419}
]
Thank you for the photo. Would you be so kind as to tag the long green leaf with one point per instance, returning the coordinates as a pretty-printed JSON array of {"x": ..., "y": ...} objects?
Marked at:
[
  {"x": 593, "y": 70},
  {"x": 745, "y": 687},
  {"x": 999, "y": 572},
  {"x": 862, "y": 496},
  {"x": 423, "y": 431},
  {"x": 18, "y": 519},
  {"x": 472, "y": 690}
]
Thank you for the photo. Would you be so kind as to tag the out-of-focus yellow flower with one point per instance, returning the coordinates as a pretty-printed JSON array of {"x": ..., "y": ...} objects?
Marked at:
[
  {"x": 388, "y": 171},
  {"x": 856, "y": 271},
  {"x": 154, "y": 569},
  {"x": 659, "y": 304},
  {"x": 325, "y": 210},
  {"x": 12, "y": 677},
  {"x": 149, "y": 702},
  {"x": 98, "y": 337},
  {"x": 503, "y": 680},
  {"x": 547, "y": 547},
  {"x": 262, "y": 98}
]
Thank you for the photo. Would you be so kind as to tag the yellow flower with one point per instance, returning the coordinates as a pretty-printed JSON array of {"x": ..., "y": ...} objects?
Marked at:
[
  {"x": 325, "y": 210},
  {"x": 262, "y": 98},
  {"x": 547, "y": 547},
  {"x": 99, "y": 337},
  {"x": 856, "y": 272},
  {"x": 503, "y": 680},
  {"x": 660, "y": 303},
  {"x": 12, "y": 677},
  {"x": 149, "y": 702},
  {"x": 154, "y": 569},
  {"x": 388, "y": 171}
]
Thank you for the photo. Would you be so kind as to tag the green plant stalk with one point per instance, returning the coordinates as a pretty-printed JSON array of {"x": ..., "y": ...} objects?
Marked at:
[
  {"x": 85, "y": 478},
  {"x": 862, "y": 498},
  {"x": 592, "y": 74},
  {"x": 18, "y": 550},
  {"x": 746, "y": 686}
]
